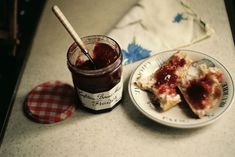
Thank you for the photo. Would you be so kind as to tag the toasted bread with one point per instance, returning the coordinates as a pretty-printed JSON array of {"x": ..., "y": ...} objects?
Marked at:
[
  {"x": 164, "y": 81},
  {"x": 202, "y": 90}
]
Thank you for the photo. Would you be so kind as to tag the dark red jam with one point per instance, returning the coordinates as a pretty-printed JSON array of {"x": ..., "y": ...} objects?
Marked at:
[
  {"x": 103, "y": 80},
  {"x": 199, "y": 90},
  {"x": 166, "y": 74},
  {"x": 197, "y": 94},
  {"x": 103, "y": 55}
]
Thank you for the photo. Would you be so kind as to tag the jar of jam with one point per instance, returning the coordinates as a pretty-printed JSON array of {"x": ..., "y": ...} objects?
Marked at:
[{"x": 98, "y": 88}]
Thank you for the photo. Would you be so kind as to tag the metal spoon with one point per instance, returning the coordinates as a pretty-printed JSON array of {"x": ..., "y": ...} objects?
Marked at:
[{"x": 72, "y": 32}]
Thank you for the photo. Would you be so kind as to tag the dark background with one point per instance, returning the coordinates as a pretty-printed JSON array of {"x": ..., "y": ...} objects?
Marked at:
[
  {"x": 12, "y": 63},
  {"x": 230, "y": 6}
]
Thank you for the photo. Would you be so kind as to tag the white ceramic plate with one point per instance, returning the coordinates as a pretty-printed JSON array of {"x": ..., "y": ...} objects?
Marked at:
[{"x": 178, "y": 116}]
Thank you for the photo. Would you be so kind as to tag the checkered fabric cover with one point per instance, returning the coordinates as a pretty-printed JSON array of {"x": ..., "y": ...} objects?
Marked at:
[{"x": 50, "y": 102}]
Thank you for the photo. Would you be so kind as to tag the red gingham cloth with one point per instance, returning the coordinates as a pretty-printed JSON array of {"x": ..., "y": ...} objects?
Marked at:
[{"x": 50, "y": 102}]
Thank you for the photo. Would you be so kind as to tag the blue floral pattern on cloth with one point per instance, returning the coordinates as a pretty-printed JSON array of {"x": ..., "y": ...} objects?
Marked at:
[
  {"x": 179, "y": 17},
  {"x": 134, "y": 53}
]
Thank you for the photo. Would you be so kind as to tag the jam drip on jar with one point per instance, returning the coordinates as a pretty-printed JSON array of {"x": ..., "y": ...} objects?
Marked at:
[
  {"x": 166, "y": 78},
  {"x": 103, "y": 55},
  {"x": 199, "y": 90}
]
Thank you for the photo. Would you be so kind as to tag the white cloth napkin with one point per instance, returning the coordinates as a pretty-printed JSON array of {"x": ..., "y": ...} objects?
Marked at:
[{"x": 152, "y": 26}]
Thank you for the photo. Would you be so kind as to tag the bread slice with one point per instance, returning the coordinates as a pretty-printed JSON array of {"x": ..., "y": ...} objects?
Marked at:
[
  {"x": 202, "y": 89},
  {"x": 164, "y": 81}
]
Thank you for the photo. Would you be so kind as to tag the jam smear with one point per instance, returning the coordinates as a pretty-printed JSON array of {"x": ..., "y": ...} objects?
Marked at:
[
  {"x": 166, "y": 75},
  {"x": 103, "y": 55},
  {"x": 199, "y": 90},
  {"x": 197, "y": 94}
]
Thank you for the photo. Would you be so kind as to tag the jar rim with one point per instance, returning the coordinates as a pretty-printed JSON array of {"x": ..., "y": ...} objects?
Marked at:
[{"x": 99, "y": 71}]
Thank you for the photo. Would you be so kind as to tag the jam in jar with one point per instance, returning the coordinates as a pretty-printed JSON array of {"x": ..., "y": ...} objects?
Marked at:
[{"x": 98, "y": 88}]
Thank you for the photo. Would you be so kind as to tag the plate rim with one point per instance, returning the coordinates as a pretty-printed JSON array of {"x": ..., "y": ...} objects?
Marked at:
[{"x": 175, "y": 125}]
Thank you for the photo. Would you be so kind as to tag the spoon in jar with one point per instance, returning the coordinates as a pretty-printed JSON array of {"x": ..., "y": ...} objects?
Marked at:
[{"x": 72, "y": 32}]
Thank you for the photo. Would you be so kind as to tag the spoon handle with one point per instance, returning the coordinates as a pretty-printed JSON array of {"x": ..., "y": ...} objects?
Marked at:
[
  {"x": 68, "y": 26},
  {"x": 71, "y": 31}
]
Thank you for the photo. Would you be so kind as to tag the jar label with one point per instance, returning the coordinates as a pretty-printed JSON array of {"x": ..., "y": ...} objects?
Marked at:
[{"x": 102, "y": 100}]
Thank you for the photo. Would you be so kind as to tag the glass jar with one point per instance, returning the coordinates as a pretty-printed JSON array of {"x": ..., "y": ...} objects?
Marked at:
[{"x": 98, "y": 88}]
